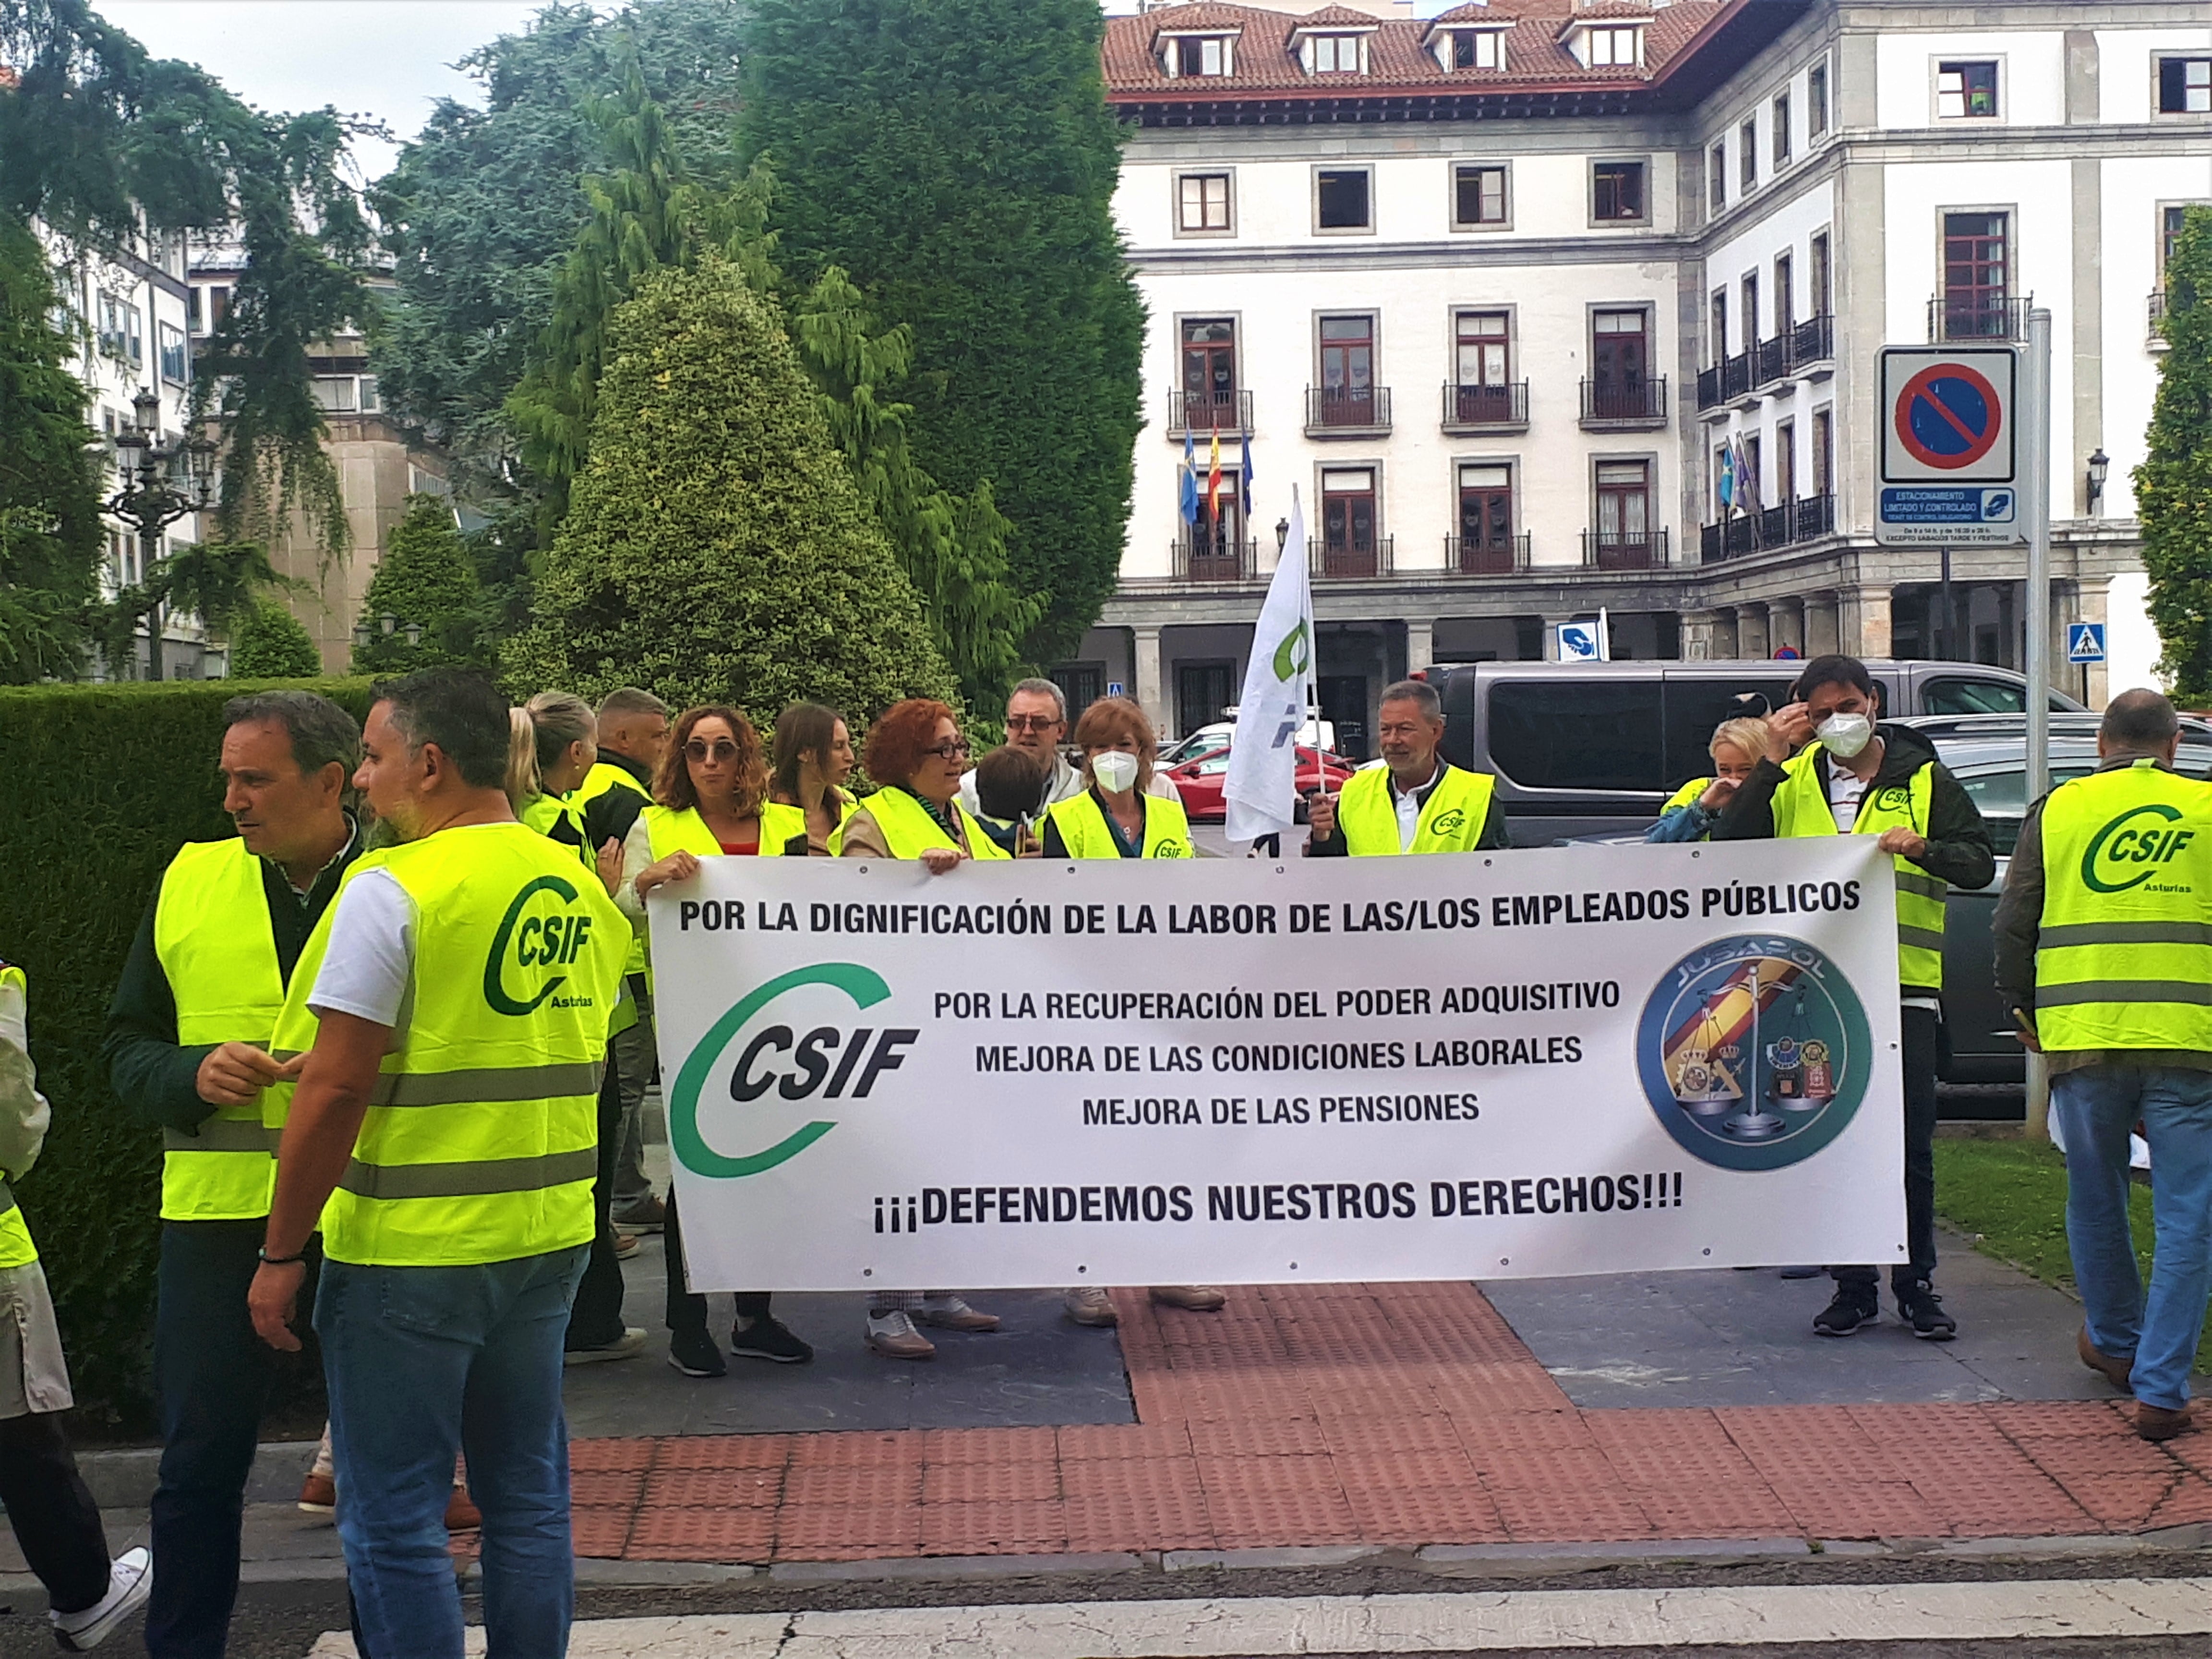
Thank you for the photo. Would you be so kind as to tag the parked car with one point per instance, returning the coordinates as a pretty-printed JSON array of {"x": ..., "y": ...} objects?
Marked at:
[
  {"x": 1583, "y": 749},
  {"x": 1207, "y": 738},
  {"x": 1199, "y": 782}
]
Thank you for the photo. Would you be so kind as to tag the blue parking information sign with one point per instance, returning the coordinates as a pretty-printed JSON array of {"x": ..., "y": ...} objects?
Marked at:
[
  {"x": 1948, "y": 459},
  {"x": 2085, "y": 643}
]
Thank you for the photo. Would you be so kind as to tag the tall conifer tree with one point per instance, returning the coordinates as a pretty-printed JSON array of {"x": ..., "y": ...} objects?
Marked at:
[{"x": 2173, "y": 486}]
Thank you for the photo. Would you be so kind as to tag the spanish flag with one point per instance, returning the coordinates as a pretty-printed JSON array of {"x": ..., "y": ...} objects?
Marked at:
[{"x": 1214, "y": 480}]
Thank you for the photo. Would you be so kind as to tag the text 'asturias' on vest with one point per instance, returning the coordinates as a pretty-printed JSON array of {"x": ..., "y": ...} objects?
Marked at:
[
  {"x": 212, "y": 935},
  {"x": 480, "y": 1143},
  {"x": 1800, "y": 808},
  {"x": 2124, "y": 957},
  {"x": 1451, "y": 818}
]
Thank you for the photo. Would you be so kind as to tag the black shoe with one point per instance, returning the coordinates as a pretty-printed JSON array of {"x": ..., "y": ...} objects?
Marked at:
[
  {"x": 1922, "y": 1309},
  {"x": 769, "y": 1338},
  {"x": 694, "y": 1353},
  {"x": 648, "y": 1215},
  {"x": 1851, "y": 1309}
]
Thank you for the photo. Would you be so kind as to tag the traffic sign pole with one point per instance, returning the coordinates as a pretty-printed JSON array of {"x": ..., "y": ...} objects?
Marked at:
[{"x": 2035, "y": 486}]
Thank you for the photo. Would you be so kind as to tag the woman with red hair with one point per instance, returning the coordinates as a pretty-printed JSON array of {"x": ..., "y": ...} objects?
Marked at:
[{"x": 916, "y": 755}]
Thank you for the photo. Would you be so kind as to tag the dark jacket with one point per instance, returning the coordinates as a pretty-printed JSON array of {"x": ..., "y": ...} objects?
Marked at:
[
  {"x": 609, "y": 815},
  {"x": 2017, "y": 928},
  {"x": 154, "y": 1075},
  {"x": 1493, "y": 837}
]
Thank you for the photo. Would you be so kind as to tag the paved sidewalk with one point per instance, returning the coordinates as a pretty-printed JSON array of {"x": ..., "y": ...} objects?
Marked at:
[{"x": 1407, "y": 1415}]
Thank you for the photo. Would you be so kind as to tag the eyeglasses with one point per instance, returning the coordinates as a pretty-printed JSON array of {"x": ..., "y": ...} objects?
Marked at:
[
  {"x": 1031, "y": 722},
  {"x": 953, "y": 748},
  {"x": 699, "y": 750}
]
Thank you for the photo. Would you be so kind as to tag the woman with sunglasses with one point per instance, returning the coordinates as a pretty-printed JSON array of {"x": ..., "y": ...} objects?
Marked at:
[
  {"x": 916, "y": 753},
  {"x": 711, "y": 801},
  {"x": 814, "y": 758}
]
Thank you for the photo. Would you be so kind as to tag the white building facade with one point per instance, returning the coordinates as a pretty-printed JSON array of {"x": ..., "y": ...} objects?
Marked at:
[{"x": 1497, "y": 291}]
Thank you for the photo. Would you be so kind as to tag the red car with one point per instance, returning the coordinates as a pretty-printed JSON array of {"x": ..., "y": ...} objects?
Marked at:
[{"x": 1200, "y": 780}]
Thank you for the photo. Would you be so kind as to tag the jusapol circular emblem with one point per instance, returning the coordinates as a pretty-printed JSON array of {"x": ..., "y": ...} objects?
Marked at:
[{"x": 1754, "y": 1051}]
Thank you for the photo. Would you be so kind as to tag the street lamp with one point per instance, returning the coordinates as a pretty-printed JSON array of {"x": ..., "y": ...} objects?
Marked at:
[
  {"x": 2100, "y": 463},
  {"x": 164, "y": 479},
  {"x": 1282, "y": 535}
]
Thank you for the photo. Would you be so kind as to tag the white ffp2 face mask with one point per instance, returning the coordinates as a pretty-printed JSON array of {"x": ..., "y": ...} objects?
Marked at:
[
  {"x": 1114, "y": 771},
  {"x": 1845, "y": 735}
]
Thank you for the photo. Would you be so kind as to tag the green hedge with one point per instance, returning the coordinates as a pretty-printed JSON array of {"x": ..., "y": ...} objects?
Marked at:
[{"x": 104, "y": 783}]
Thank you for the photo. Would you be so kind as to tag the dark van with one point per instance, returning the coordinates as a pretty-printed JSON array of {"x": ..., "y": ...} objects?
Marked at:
[{"x": 1583, "y": 749}]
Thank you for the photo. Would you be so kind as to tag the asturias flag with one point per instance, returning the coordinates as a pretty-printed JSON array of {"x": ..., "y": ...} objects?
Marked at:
[{"x": 1189, "y": 483}]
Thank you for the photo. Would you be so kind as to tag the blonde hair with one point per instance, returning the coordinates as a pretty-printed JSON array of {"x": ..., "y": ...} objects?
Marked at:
[
  {"x": 1109, "y": 720},
  {"x": 522, "y": 778},
  {"x": 537, "y": 734},
  {"x": 1748, "y": 733}
]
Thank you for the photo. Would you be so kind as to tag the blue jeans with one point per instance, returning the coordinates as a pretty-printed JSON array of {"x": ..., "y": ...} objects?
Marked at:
[
  {"x": 424, "y": 1363},
  {"x": 2096, "y": 1109}
]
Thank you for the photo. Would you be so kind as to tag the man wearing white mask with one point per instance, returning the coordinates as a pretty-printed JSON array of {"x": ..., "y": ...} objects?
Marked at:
[{"x": 1847, "y": 776}]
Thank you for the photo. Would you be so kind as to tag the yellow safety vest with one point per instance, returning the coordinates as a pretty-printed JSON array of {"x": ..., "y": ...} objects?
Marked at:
[
  {"x": 480, "y": 1143},
  {"x": 685, "y": 831},
  {"x": 1687, "y": 795},
  {"x": 212, "y": 935},
  {"x": 1451, "y": 818},
  {"x": 1800, "y": 808},
  {"x": 1084, "y": 828},
  {"x": 16, "y": 1248},
  {"x": 2124, "y": 956},
  {"x": 603, "y": 777},
  {"x": 546, "y": 813},
  {"x": 909, "y": 832}
]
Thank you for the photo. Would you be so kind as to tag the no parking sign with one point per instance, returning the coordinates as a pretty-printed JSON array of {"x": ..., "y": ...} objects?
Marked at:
[{"x": 1949, "y": 459}]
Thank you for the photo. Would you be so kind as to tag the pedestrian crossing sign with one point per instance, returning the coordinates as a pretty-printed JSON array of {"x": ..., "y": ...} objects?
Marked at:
[{"x": 2085, "y": 642}]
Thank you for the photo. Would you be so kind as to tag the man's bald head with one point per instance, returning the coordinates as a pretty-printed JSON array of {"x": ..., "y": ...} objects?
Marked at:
[{"x": 2139, "y": 722}]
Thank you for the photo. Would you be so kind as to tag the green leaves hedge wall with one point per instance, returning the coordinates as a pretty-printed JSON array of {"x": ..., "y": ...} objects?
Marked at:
[{"x": 104, "y": 783}]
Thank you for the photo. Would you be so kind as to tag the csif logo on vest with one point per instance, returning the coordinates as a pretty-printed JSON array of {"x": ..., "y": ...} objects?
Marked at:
[
  {"x": 2127, "y": 851},
  {"x": 535, "y": 940},
  {"x": 777, "y": 1062},
  {"x": 1449, "y": 822},
  {"x": 1898, "y": 798}
]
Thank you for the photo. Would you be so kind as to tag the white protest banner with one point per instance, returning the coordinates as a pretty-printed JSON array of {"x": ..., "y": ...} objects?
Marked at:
[{"x": 1580, "y": 1060}]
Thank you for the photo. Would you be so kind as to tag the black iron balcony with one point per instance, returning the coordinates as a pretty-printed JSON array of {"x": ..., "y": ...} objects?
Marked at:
[
  {"x": 1362, "y": 409},
  {"x": 1486, "y": 407},
  {"x": 1488, "y": 556},
  {"x": 1790, "y": 523},
  {"x": 1736, "y": 377},
  {"x": 1622, "y": 405},
  {"x": 1624, "y": 549},
  {"x": 2154, "y": 321},
  {"x": 1208, "y": 411},
  {"x": 1813, "y": 341},
  {"x": 1349, "y": 560},
  {"x": 1971, "y": 314},
  {"x": 1215, "y": 560},
  {"x": 1709, "y": 388},
  {"x": 1771, "y": 363}
]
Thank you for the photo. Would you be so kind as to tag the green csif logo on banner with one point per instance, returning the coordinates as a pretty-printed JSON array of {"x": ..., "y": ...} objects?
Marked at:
[
  {"x": 827, "y": 1062},
  {"x": 2126, "y": 852},
  {"x": 1292, "y": 655}
]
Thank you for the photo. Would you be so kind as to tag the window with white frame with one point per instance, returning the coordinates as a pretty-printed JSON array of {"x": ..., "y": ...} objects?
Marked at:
[
  {"x": 1336, "y": 54},
  {"x": 1202, "y": 204},
  {"x": 1967, "y": 90},
  {"x": 1614, "y": 48},
  {"x": 2184, "y": 86},
  {"x": 1473, "y": 49},
  {"x": 174, "y": 362},
  {"x": 1199, "y": 55}
]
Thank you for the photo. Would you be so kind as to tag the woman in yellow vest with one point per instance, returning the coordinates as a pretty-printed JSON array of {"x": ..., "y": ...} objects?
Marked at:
[
  {"x": 710, "y": 801},
  {"x": 916, "y": 754},
  {"x": 814, "y": 758},
  {"x": 1114, "y": 816},
  {"x": 551, "y": 748},
  {"x": 56, "y": 1521},
  {"x": 1694, "y": 808}
]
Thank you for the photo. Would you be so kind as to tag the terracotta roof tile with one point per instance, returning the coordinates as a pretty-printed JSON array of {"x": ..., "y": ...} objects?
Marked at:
[
  {"x": 1399, "y": 60},
  {"x": 1339, "y": 17}
]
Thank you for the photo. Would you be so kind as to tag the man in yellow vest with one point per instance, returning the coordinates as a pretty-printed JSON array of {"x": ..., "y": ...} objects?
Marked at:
[
  {"x": 1416, "y": 801},
  {"x": 1830, "y": 770},
  {"x": 186, "y": 1047},
  {"x": 453, "y": 1007},
  {"x": 633, "y": 736},
  {"x": 56, "y": 1523},
  {"x": 2104, "y": 947}
]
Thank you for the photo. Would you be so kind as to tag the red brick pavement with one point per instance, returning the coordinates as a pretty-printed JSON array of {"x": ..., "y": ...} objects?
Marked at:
[{"x": 1393, "y": 1414}]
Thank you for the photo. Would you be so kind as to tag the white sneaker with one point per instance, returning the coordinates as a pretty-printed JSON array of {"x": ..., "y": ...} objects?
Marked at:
[
  {"x": 130, "y": 1581},
  {"x": 1089, "y": 1305}
]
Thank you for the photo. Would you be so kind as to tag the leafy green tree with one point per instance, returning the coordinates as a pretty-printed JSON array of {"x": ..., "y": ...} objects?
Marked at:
[
  {"x": 959, "y": 159},
  {"x": 482, "y": 211},
  {"x": 715, "y": 547},
  {"x": 217, "y": 581},
  {"x": 268, "y": 643},
  {"x": 49, "y": 533},
  {"x": 952, "y": 547},
  {"x": 426, "y": 584},
  {"x": 98, "y": 140},
  {"x": 2173, "y": 486}
]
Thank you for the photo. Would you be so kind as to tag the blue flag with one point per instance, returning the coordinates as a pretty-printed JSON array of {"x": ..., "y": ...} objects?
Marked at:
[
  {"x": 1246, "y": 498},
  {"x": 1189, "y": 479}
]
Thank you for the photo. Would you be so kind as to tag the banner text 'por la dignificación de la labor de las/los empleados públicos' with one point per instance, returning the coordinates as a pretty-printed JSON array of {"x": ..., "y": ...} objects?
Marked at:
[{"x": 1571, "y": 1060}]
